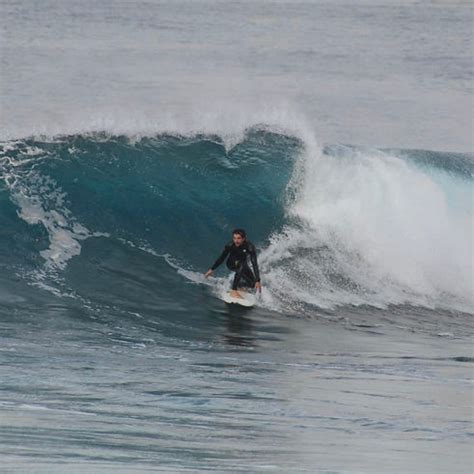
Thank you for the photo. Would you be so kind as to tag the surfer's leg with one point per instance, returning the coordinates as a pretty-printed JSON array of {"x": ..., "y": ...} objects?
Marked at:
[
  {"x": 247, "y": 278},
  {"x": 238, "y": 275},
  {"x": 248, "y": 275}
]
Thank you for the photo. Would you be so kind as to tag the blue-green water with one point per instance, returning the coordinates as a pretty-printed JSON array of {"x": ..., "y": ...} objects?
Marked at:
[
  {"x": 118, "y": 354},
  {"x": 135, "y": 137}
]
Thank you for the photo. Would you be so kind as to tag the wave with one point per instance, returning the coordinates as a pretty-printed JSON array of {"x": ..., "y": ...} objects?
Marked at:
[{"x": 335, "y": 226}]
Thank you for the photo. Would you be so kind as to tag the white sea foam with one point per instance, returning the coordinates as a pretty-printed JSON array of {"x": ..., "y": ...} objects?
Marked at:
[
  {"x": 40, "y": 200},
  {"x": 369, "y": 228}
]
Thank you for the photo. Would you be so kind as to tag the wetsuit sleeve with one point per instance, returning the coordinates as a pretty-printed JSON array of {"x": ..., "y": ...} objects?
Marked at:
[
  {"x": 221, "y": 257},
  {"x": 253, "y": 259}
]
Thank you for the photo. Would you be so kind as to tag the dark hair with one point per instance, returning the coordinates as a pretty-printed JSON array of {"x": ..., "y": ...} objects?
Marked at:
[{"x": 241, "y": 232}]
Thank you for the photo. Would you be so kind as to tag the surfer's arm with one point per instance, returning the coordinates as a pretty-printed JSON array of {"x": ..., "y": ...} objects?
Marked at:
[
  {"x": 253, "y": 259},
  {"x": 221, "y": 257}
]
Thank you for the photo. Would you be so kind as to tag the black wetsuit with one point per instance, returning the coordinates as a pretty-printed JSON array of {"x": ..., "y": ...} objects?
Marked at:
[{"x": 237, "y": 262}]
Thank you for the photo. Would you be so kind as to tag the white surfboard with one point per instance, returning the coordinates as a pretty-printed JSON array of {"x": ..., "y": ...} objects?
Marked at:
[{"x": 248, "y": 299}]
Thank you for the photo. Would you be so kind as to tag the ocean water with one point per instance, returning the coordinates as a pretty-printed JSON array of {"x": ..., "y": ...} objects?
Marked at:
[{"x": 134, "y": 136}]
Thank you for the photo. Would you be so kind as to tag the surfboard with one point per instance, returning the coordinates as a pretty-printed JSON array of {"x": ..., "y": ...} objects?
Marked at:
[{"x": 248, "y": 299}]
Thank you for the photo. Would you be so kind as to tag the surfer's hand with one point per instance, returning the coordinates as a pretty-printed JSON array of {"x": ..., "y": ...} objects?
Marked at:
[
  {"x": 258, "y": 286},
  {"x": 207, "y": 273}
]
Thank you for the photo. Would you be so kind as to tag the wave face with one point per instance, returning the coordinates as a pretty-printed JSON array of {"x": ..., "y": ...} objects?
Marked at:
[{"x": 335, "y": 226}]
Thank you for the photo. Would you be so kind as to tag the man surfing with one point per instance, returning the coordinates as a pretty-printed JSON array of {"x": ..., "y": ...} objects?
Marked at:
[{"x": 237, "y": 251}]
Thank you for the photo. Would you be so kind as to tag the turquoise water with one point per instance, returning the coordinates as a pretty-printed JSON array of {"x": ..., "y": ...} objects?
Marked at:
[{"x": 135, "y": 137}]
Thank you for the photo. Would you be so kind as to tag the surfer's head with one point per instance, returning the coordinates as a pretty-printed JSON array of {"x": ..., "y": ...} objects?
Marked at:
[{"x": 238, "y": 236}]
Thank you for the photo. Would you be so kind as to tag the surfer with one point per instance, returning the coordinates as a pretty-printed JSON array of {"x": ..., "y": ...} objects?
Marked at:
[{"x": 237, "y": 251}]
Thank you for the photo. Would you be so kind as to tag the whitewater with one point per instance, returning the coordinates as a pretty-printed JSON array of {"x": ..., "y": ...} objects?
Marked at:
[{"x": 134, "y": 136}]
